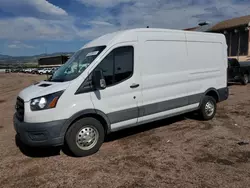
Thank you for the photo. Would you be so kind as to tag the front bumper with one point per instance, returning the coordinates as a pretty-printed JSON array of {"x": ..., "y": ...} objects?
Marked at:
[{"x": 40, "y": 134}]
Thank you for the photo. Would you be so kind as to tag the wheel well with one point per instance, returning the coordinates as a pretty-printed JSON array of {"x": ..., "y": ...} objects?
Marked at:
[
  {"x": 96, "y": 116},
  {"x": 213, "y": 94}
]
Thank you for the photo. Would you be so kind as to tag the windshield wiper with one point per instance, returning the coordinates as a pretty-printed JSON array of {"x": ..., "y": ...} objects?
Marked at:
[{"x": 56, "y": 80}]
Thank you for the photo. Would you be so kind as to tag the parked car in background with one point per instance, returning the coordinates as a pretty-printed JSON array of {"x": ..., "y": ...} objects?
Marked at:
[
  {"x": 44, "y": 71},
  {"x": 27, "y": 71},
  {"x": 41, "y": 71},
  {"x": 15, "y": 70},
  {"x": 7, "y": 70},
  {"x": 54, "y": 69},
  {"x": 34, "y": 71},
  {"x": 238, "y": 72},
  {"x": 50, "y": 71}
]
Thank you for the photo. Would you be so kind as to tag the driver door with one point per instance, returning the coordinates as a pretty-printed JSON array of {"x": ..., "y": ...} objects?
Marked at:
[{"x": 120, "y": 98}]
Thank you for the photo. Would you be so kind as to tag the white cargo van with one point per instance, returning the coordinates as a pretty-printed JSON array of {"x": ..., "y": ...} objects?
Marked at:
[{"x": 121, "y": 80}]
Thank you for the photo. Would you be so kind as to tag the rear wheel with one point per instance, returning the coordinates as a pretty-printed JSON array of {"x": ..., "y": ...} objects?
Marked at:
[
  {"x": 208, "y": 108},
  {"x": 245, "y": 79},
  {"x": 85, "y": 137}
]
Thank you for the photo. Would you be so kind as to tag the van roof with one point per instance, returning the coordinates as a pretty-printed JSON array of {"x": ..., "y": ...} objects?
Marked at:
[{"x": 131, "y": 35}]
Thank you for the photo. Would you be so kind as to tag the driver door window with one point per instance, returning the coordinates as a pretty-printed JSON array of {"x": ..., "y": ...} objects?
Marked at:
[{"x": 117, "y": 66}]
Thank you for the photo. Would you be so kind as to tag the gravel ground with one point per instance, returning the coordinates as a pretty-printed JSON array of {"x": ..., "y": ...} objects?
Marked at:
[{"x": 177, "y": 152}]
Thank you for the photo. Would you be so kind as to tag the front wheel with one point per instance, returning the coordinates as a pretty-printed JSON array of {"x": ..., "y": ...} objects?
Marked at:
[
  {"x": 245, "y": 79},
  {"x": 85, "y": 137},
  {"x": 208, "y": 108}
]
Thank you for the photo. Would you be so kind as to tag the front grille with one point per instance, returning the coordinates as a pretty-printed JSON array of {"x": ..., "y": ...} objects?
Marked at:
[{"x": 20, "y": 109}]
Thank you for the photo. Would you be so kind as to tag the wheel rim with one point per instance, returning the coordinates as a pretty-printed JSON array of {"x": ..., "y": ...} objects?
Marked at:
[
  {"x": 246, "y": 78},
  {"x": 209, "y": 108},
  {"x": 87, "y": 138}
]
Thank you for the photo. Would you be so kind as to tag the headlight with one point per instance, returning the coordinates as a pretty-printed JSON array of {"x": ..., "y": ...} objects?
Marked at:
[{"x": 45, "y": 102}]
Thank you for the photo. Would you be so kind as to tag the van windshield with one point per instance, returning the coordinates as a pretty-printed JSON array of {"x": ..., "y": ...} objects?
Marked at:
[{"x": 76, "y": 64}]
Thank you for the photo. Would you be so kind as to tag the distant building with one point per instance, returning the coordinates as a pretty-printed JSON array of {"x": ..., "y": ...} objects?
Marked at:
[
  {"x": 203, "y": 27},
  {"x": 237, "y": 33},
  {"x": 191, "y": 28},
  {"x": 53, "y": 61}
]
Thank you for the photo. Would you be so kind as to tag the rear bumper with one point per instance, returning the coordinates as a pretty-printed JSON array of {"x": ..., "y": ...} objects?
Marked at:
[
  {"x": 40, "y": 134},
  {"x": 223, "y": 94}
]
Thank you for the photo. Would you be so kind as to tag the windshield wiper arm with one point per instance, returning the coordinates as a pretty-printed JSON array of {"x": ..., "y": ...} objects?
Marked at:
[{"x": 56, "y": 80}]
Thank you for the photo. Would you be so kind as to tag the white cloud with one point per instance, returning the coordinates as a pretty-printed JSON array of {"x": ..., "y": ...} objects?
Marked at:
[
  {"x": 38, "y": 8},
  {"x": 95, "y": 31},
  {"x": 170, "y": 13},
  {"x": 28, "y": 28},
  {"x": 104, "y": 3},
  {"x": 101, "y": 23},
  {"x": 13, "y": 46},
  {"x": 177, "y": 14},
  {"x": 18, "y": 44},
  {"x": 141, "y": 13}
]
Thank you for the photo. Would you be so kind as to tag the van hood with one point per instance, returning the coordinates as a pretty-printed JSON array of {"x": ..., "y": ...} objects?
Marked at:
[{"x": 42, "y": 88}]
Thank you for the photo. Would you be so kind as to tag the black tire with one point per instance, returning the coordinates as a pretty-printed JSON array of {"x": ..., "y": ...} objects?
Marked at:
[
  {"x": 245, "y": 79},
  {"x": 204, "y": 115},
  {"x": 73, "y": 132}
]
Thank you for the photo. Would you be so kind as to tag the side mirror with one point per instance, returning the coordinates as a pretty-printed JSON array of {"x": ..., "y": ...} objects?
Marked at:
[{"x": 98, "y": 80}]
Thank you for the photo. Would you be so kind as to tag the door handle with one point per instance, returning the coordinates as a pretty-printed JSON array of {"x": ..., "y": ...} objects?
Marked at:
[{"x": 134, "y": 86}]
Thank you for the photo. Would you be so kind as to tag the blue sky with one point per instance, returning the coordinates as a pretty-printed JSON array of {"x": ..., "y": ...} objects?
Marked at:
[{"x": 29, "y": 27}]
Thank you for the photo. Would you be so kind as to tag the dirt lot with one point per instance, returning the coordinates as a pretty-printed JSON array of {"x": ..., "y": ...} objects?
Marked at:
[{"x": 178, "y": 152}]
